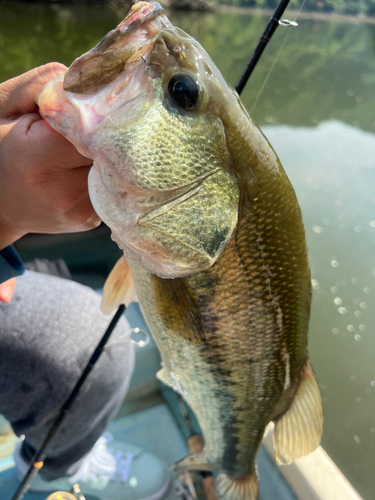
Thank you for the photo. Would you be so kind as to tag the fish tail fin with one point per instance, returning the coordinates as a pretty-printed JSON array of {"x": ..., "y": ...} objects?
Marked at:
[
  {"x": 228, "y": 488},
  {"x": 298, "y": 432}
]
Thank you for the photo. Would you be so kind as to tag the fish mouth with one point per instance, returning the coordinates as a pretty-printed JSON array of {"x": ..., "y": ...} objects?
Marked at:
[
  {"x": 138, "y": 14},
  {"x": 126, "y": 44}
]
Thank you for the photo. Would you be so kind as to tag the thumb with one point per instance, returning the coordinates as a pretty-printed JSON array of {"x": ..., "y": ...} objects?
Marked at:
[{"x": 17, "y": 96}]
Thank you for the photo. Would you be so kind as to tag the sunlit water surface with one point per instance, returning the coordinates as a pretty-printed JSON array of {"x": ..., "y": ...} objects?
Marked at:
[{"x": 317, "y": 109}]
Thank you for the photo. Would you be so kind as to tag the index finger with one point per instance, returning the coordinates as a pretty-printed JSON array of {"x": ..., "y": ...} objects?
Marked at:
[{"x": 17, "y": 96}]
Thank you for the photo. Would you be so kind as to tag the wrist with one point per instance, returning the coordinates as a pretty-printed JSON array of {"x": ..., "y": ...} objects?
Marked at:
[{"x": 8, "y": 236}]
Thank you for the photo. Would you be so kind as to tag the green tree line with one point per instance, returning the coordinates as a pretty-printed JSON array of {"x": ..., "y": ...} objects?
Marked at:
[
  {"x": 353, "y": 7},
  {"x": 324, "y": 71}
]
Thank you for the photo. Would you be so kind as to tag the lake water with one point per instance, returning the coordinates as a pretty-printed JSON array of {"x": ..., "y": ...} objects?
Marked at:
[{"x": 317, "y": 109}]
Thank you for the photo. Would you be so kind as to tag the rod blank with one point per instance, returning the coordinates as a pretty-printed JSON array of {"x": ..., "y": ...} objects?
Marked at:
[{"x": 264, "y": 39}]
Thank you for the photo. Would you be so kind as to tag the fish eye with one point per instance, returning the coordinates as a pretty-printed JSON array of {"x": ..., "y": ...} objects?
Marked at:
[{"x": 185, "y": 92}]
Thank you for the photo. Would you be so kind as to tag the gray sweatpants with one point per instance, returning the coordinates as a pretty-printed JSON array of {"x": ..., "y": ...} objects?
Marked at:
[{"x": 47, "y": 334}]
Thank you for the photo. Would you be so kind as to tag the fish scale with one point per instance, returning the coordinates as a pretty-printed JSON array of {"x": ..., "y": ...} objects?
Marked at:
[
  {"x": 244, "y": 339},
  {"x": 213, "y": 239}
]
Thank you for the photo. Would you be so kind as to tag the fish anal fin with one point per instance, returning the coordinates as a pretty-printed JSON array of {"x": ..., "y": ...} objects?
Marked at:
[
  {"x": 164, "y": 376},
  {"x": 298, "y": 432},
  {"x": 228, "y": 488},
  {"x": 177, "y": 309},
  {"x": 119, "y": 287},
  {"x": 195, "y": 461}
]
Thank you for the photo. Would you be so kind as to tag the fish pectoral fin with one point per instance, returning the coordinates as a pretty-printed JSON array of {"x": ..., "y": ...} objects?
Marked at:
[
  {"x": 178, "y": 310},
  {"x": 298, "y": 432},
  {"x": 195, "y": 461},
  {"x": 119, "y": 287}
]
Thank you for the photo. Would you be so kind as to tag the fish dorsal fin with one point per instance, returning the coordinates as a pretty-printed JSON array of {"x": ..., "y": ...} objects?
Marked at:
[
  {"x": 298, "y": 432},
  {"x": 119, "y": 287},
  {"x": 178, "y": 310}
]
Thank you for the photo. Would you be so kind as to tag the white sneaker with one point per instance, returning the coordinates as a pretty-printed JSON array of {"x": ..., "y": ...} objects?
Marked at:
[{"x": 113, "y": 470}]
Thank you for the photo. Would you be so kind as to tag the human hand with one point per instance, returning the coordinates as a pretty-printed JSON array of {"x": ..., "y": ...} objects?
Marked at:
[
  {"x": 43, "y": 185},
  {"x": 6, "y": 290}
]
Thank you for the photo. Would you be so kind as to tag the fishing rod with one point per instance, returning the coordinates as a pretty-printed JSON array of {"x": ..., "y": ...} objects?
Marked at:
[
  {"x": 39, "y": 457},
  {"x": 274, "y": 22}
]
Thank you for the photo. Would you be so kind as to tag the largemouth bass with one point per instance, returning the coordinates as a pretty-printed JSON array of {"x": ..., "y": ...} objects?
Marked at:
[{"x": 212, "y": 235}]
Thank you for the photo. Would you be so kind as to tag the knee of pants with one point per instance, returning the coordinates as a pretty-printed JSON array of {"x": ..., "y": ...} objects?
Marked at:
[{"x": 49, "y": 332}]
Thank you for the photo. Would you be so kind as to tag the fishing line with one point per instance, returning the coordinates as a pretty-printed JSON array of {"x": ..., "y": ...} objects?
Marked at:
[
  {"x": 275, "y": 60},
  {"x": 272, "y": 26}
]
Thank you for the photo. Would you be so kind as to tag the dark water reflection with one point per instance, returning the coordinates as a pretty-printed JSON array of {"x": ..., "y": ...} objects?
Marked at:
[{"x": 318, "y": 112}]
